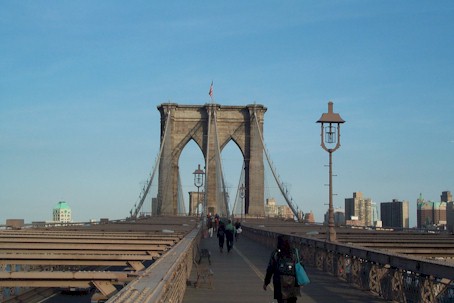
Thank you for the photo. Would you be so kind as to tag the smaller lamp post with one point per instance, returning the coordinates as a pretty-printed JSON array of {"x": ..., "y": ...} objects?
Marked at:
[
  {"x": 242, "y": 189},
  {"x": 330, "y": 124},
  {"x": 198, "y": 182}
]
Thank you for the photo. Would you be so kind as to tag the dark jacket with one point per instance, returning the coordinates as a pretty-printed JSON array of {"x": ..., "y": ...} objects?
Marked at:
[{"x": 282, "y": 269}]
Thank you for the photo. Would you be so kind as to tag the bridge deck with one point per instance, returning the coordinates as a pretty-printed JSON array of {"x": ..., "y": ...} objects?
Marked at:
[{"x": 238, "y": 277}]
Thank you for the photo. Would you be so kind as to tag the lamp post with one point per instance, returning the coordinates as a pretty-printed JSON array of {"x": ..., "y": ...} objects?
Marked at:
[
  {"x": 330, "y": 141},
  {"x": 242, "y": 189},
  {"x": 198, "y": 182}
]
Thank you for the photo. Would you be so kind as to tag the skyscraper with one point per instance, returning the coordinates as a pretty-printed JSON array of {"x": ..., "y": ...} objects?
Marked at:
[
  {"x": 395, "y": 214},
  {"x": 359, "y": 208},
  {"x": 430, "y": 213},
  {"x": 446, "y": 196}
]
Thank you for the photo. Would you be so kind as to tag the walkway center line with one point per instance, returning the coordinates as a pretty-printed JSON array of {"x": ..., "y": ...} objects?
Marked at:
[{"x": 252, "y": 266}]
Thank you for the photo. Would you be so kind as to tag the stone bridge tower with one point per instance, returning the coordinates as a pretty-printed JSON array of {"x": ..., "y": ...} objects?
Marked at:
[{"x": 199, "y": 123}]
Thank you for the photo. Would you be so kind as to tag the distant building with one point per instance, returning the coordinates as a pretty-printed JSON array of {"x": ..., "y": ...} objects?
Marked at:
[
  {"x": 395, "y": 214},
  {"x": 61, "y": 212},
  {"x": 430, "y": 214},
  {"x": 450, "y": 216},
  {"x": 270, "y": 208},
  {"x": 375, "y": 216},
  {"x": 339, "y": 217},
  {"x": 446, "y": 196},
  {"x": 358, "y": 209},
  {"x": 195, "y": 199},
  {"x": 273, "y": 210},
  {"x": 424, "y": 212},
  {"x": 309, "y": 217}
]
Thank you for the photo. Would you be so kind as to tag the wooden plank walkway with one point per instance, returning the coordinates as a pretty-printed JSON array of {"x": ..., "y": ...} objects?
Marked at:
[{"x": 238, "y": 277}]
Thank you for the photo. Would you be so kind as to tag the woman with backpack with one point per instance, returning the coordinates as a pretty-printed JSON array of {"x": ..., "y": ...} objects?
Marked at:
[{"x": 282, "y": 268}]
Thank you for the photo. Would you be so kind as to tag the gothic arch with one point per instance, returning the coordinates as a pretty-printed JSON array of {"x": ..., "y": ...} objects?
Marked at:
[{"x": 203, "y": 124}]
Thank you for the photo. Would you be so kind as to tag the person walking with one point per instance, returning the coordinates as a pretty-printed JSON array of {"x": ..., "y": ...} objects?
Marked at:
[
  {"x": 281, "y": 267},
  {"x": 210, "y": 225},
  {"x": 229, "y": 234},
  {"x": 237, "y": 229},
  {"x": 221, "y": 235}
]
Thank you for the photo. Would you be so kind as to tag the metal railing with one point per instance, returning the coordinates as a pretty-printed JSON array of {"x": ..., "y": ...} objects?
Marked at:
[
  {"x": 394, "y": 277},
  {"x": 165, "y": 280}
]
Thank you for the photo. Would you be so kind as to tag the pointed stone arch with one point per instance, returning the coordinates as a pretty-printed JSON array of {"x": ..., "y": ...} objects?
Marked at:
[{"x": 197, "y": 122}]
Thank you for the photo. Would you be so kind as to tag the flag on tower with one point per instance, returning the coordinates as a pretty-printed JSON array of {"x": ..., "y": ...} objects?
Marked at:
[{"x": 211, "y": 90}]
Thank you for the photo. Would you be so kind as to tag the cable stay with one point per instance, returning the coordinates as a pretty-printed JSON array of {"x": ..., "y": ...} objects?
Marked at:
[
  {"x": 221, "y": 190},
  {"x": 180, "y": 202},
  {"x": 284, "y": 191},
  {"x": 238, "y": 206},
  {"x": 146, "y": 188}
]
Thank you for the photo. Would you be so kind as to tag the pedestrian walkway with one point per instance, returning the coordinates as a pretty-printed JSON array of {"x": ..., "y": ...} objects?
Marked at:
[{"x": 238, "y": 277}]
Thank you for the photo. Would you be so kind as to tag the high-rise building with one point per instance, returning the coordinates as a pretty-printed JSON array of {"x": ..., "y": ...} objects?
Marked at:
[
  {"x": 339, "y": 217},
  {"x": 430, "y": 213},
  {"x": 61, "y": 212},
  {"x": 446, "y": 196},
  {"x": 395, "y": 214},
  {"x": 375, "y": 216},
  {"x": 359, "y": 208},
  {"x": 424, "y": 216},
  {"x": 450, "y": 216}
]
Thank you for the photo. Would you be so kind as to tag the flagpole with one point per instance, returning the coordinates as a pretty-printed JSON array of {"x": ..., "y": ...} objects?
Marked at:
[{"x": 211, "y": 92}]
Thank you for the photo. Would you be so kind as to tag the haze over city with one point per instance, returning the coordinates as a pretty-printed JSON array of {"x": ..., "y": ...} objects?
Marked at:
[{"x": 80, "y": 83}]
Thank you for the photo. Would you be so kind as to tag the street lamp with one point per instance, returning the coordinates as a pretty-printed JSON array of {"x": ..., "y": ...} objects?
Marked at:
[
  {"x": 198, "y": 182},
  {"x": 330, "y": 124},
  {"x": 242, "y": 189}
]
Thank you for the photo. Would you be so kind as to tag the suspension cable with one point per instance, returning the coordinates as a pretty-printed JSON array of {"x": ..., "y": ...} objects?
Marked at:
[
  {"x": 273, "y": 170},
  {"x": 218, "y": 154},
  {"x": 150, "y": 181}
]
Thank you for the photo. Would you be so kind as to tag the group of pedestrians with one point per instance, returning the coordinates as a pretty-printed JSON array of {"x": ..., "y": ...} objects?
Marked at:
[
  {"x": 280, "y": 268},
  {"x": 226, "y": 233}
]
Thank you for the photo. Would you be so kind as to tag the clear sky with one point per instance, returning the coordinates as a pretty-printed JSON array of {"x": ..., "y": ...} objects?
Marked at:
[{"x": 80, "y": 82}]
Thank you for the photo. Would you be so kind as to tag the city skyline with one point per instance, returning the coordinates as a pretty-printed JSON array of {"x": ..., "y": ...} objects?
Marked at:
[{"x": 82, "y": 80}]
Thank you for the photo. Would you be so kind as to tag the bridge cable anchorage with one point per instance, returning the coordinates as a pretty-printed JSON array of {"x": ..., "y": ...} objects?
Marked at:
[
  {"x": 150, "y": 180},
  {"x": 280, "y": 184}
]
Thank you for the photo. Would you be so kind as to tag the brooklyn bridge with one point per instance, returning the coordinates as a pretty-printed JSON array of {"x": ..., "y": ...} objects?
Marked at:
[{"x": 161, "y": 252}]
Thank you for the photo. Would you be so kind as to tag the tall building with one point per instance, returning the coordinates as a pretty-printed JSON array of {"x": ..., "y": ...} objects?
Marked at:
[
  {"x": 61, "y": 212},
  {"x": 424, "y": 215},
  {"x": 273, "y": 210},
  {"x": 395, "y": 214},
  {"x": 339, "y": 217},
  {"x": 375, "y": 216},
  {"x": 430, "y": 213},
  {"x": 446, "y": 196},
  {"x": 358, "y": 209},
  {"x": 450, "y": 216}
]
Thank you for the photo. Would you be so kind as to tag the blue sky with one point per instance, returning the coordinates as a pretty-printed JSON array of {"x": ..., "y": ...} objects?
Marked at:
[{"x": 80, "y": 82}]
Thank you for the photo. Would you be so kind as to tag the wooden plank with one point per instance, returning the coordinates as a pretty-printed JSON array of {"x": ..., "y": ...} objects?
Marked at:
[{"x": 74, "y": 246}]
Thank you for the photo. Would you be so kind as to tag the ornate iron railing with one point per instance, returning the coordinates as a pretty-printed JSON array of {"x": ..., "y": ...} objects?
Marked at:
[{"x": 394, "y": 277}]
